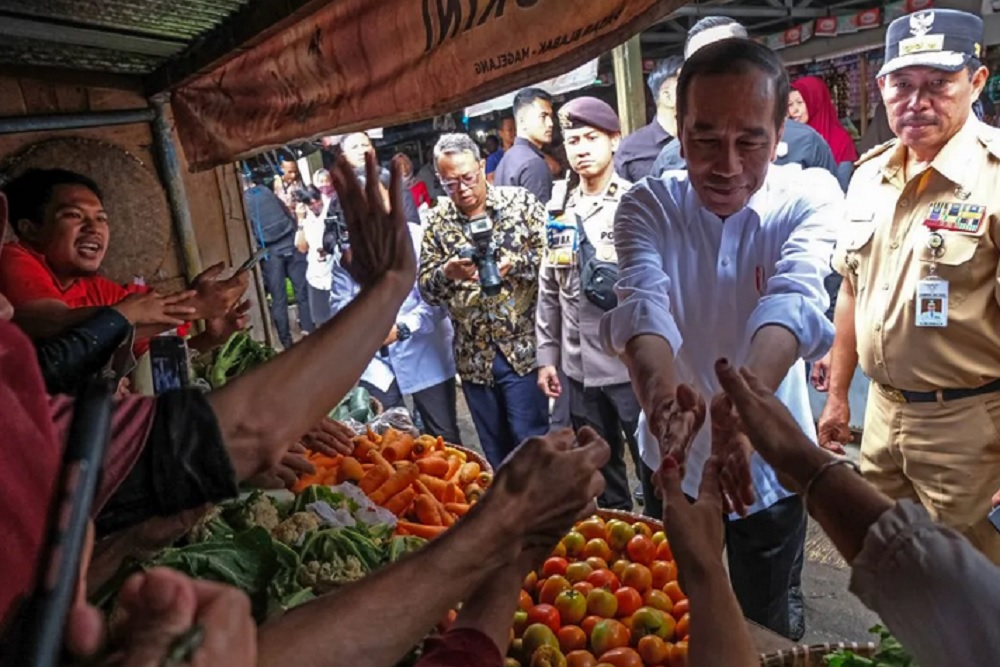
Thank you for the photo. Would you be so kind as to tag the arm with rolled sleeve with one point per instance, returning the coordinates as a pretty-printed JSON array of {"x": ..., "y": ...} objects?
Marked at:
[
  {"x": 935, "y": 592},
  {"x": 548, "y": 319},
  {"x": 435, "y": 288},
  {"x": 795, "y": 298}
]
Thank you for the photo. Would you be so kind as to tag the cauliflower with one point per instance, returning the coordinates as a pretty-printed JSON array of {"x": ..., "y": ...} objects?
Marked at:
[
  {"x": 325, "y": 577},
  {"x": 211, "y": 525},
  {"x": 292, "y": 531},
  {"x": 258, "y": 510}
]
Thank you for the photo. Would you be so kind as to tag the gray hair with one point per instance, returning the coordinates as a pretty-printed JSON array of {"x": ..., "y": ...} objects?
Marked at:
[
  {"x": 452, "y": 144},
  {"x": 321, "y": 173}
]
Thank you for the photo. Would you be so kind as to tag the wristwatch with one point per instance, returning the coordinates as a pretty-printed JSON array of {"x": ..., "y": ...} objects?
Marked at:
[{"x": 402, "y": 332}]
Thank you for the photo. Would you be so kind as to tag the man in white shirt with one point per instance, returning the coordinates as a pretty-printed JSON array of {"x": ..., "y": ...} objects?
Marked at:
[{"x": 727, "y": 260}]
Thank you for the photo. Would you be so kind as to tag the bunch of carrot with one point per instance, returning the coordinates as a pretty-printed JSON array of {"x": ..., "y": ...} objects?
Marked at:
[{"x": 425, "y": 483}]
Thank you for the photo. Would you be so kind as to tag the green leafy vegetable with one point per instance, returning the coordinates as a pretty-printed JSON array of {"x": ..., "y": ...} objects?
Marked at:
[{"x": 890, "y": 653}]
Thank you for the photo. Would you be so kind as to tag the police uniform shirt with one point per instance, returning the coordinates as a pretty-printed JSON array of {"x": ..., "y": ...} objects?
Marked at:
[
  {"x": 885, "y": 250},
  {"x": 568, "y": 322}
]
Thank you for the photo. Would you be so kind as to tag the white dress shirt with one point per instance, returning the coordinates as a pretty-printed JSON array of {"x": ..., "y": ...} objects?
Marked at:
[
  {"x": 707, "y": 285},
  {"x": 319, "y": 268}
]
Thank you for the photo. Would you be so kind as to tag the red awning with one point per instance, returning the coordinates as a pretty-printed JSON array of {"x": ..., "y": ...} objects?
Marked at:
[{"x": 356, "y": 64}]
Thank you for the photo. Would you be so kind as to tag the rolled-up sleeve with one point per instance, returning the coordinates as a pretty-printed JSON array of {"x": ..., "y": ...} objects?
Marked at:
[
  {"x": 795, "y": 297},
  {"x": 548, "y": 321},
  {"x": 935, "y": 592},
  {"x": 643, "y": 287}
]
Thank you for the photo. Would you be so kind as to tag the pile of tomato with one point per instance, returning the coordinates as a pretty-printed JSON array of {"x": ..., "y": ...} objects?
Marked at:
[{"x": 607, "y": 596}]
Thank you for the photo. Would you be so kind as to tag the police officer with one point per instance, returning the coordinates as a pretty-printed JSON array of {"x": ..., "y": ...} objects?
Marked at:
[
  {"x": 923, "y": 230},
  {"x": 576, "y": 288}
]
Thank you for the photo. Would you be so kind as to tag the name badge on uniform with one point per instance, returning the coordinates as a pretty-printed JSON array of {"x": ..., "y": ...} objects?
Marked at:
[
  {"x": 561, "y": 242},
  {"x": 932, "y": 302},
  {"x": 955, "y": 217}
]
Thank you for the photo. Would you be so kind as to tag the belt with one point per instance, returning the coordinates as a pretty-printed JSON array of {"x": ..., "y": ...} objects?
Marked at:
[{"x": 903, "y": 396}]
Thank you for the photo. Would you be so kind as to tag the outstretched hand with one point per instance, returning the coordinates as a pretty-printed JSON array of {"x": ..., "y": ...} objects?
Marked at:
[
  {"x": 675, "y": 423},
  {"x": 732, "y": 449},
  {"x": 379, "y": 236}
]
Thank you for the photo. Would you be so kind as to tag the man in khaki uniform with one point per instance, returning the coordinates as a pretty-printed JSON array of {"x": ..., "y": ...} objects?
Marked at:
[
  {"x": 576, "y": 284},
  {"x": 919, "y": 306}
]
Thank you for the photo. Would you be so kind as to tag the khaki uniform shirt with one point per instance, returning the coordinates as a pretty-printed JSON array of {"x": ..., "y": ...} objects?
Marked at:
[
  {"x": 884, "y": 250},
  {"x": 568, "y": 328}
]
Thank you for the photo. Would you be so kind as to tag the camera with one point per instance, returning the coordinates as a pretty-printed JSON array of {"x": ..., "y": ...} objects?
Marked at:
[
  {"x": 483, "y": 254},
  {"x": 334, "y": 231}
]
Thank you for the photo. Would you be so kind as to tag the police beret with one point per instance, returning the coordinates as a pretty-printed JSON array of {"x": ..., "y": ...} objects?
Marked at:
[
  {"x": 943, "y": 39},
  {"x": 589, "y": 112}
]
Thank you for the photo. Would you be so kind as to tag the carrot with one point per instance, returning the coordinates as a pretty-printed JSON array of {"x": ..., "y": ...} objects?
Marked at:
[
  {"x": 363, "y": 447},
  {"x": 457, "y": 452},
  {"x": 454, "y": 465},
  {"x": 425, "y": 509},
  {"x": 447, "y": 518},
  {"x": 473, "y": 492},
  {"x": 350, "y": 469},
  {"x": 461, "y": 509},
  {"x": 440, "y": 455},
  {"x": 329, "y": 477},
  {"x": 424, "y": 446},
  {"x": 484, "y": 479},
  {"x": 468, "y": 472},
  {"x": 439, "y": 445},
  {"x": 373, "y": 479},
  {"x": 324, "y": 461},
  {"x": 398, "y": 481},
  {"x": 399, "y": 449},
  {"x": 454, "y": 494},
  {"x": 379, "y": 461},
  {"x": 306, "y": 481},
  {"x": 459, "y": 495},
  {"x": 433, "y": 466},
  {"x": 434, "y": 486},
  {"x": 400, "y": 503},
  {"x": 417, "y": 530}
]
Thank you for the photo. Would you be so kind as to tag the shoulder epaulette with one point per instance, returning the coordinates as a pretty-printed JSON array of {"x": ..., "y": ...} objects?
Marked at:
[
  {"x": 875, "y": 152},
  {"x": 990, "y": 138}
]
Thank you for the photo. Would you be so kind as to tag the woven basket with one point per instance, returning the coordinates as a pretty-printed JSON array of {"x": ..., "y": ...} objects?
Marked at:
[
  {"x": 812, "y": 656},
  {"x": 472, "y": 456}
]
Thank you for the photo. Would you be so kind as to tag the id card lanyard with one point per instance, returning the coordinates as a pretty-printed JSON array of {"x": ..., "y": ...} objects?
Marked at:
[{"x": 932, "y": 291}]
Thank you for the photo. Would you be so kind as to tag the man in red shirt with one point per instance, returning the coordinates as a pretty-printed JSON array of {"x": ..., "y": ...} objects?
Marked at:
[{"x": 52, "y": 268}]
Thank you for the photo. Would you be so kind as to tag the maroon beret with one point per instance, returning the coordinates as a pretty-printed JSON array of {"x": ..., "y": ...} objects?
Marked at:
[{"x": 589, "y": 112}]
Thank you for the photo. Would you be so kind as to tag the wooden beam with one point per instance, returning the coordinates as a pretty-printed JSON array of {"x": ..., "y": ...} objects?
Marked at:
[
  {"x": 629, "y": 85},
  {"x": 57, "y": 33},
  {"x": 250, "y": 25}
]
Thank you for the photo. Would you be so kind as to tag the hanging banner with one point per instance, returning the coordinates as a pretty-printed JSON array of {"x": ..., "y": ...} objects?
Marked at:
[
  {"x": 793, "y": 36},
  {"x": 868, "y": 19},
  {"x": 359, "y": 63},
  {"x": 826, "y": 26},
  {"x": 579, "y": 78},
  {"x": 847, "y": 24}
]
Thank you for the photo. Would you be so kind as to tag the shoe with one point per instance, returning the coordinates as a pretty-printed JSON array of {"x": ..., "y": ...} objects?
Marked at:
[{"x": 637, "y": 494}]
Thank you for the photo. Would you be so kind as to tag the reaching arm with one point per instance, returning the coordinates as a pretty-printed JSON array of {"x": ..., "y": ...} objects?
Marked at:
[
  {"x": 773, "y": 350},
  {"x": 844, "y": 354}
]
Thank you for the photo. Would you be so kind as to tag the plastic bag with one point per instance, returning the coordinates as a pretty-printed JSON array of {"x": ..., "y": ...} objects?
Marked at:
[{"x": 397, "y": 418}]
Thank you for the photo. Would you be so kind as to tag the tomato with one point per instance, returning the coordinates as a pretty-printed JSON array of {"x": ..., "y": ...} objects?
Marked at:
[
  {"x": 587, "y": 625},
  {"x": 580, "y": 659},
  {"x": 653, "y": 650},
  {"x": 544, "y": 614},
  {"x": 530, "y": 582},
  {"x": 683, "y": 627},
  {"x": 602, "y": 602},
  {"x": 552, "y": 587},
  {"x": 619, "y": 533},
  {"x": 637, "y": 576},
  {"x": 520, "y": 622},
  {"x": 619, "y": 567},
  {"x": 643, "y": 529},
  {"x": 574, "y": 542},
  {"x": 622, "y": 657},
  {"x": 629, "y": 601},
  {"x": 657, "y": 599},
  {"x": 680, "y": 608},
  {"x": 554, "y": 566},
  {"x": 663, "y": 572},
  {"x": 536, "y": 636},
  {"x": 571, "y": 638},
  {"x": 597, "y": 563},
  {"x": 608, "y": 634},
  {"x": 578, "y": 572},
  {"x": 593, "y": 528},
  {"x": 649, "y": 621},
  {"x": 641, "y": 550},
  {"x": 604, "y": 579},
  {"x": 673, "y": 590},
  {"x": 585, "y": 587},
  {"x": 658, "y": 537},
  {"x": 663, "y": 551},
  {"x": 448, "y": 620},
  {"x": 572, "y": 606},
  {"x": 678, "y": 655},
  {"x": 597, "y": 548},
  {"x": 559, "y": 551}
]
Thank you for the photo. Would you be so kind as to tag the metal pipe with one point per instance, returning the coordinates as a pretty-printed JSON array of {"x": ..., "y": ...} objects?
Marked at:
[
  {"x": 73, "y": 121},
  {"x": 173, "y": 178}
]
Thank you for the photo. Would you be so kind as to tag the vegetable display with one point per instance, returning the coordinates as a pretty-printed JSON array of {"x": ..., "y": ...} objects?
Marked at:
[
  {"x": 424, "y": 483},
  {"x": 608, "y": 595},
  {"x": 239, "y": 354},
  {"x": 890, "y": 654},
  {"x": 284, "y": 554}
]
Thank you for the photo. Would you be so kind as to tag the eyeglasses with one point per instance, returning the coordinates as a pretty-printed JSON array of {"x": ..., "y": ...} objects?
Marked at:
[{"x": 468, "y": 180}]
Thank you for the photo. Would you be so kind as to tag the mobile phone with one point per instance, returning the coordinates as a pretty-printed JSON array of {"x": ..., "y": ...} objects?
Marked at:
[
  {"x": 994, "y": 517},
  {"x": 38, "y": 641},
  {"x": 168, "y": 356},
  {"x": 253, "y": 261}
]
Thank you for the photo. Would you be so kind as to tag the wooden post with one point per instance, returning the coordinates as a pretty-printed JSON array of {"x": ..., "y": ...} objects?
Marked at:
[{"x": 630, "y": 85}]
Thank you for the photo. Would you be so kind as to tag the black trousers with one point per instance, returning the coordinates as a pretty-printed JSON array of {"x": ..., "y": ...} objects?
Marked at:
[
  {"x": 438, "y": 409},
  {"x": 391, "y": 398},
  {"x": 291, "y": 264},
  {"x": 613, "y": 412},
  {"x": 561, "y": 416},
  {"x": 762, "y": 550}
]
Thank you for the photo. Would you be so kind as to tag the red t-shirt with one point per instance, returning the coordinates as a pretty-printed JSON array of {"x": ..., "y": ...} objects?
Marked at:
[{"x": 461, "y": 647}]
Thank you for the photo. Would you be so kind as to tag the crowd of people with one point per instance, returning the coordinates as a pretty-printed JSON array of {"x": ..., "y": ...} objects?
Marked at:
[{"x": 663, "y": 302}]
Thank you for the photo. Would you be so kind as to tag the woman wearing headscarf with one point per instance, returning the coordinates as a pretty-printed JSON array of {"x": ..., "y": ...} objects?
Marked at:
[{"x": 810, "y": 103}]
